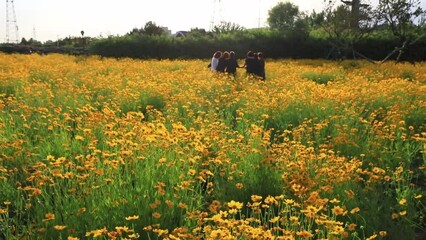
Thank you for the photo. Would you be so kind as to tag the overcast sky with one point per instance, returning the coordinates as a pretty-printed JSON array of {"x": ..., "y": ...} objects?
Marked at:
[{"x": 55, "y": 19}]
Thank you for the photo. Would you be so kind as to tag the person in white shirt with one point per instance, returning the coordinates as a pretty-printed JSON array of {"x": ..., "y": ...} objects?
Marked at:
[{"x": 215, "y": 60}]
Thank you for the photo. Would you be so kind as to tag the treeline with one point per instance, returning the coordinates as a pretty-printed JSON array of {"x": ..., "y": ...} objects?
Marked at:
[
  {"x": 393, "y": 30},
  {"x": 273, "y": 44}
]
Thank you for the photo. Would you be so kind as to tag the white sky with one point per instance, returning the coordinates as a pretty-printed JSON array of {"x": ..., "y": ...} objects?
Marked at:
[{"x": 53, "y": 19}]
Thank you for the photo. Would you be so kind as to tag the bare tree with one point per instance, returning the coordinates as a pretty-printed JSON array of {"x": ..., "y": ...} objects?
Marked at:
[
  {"x": 406, "y": 20},
  {"x": 346, "y": 26}
]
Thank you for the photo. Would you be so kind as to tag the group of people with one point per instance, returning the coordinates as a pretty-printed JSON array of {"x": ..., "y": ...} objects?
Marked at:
[{"x": 226, "y": 62}]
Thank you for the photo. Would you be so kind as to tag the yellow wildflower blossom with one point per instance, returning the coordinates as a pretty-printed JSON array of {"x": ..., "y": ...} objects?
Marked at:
[{"x": 134, "y": 217}]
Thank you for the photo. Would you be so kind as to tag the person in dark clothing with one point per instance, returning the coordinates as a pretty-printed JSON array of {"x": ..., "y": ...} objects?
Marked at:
[
  {"x": 232, "y": 64},
  {"x": 250, "y": 63},
  {"x": 261, "y": 66},
  {"x": 223, "y": 62}
]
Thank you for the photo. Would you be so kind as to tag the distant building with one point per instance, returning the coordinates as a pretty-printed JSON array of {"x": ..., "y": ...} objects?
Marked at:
[
  {"x": 181, "y": 33},
  {"x": 167, "y": 31}
]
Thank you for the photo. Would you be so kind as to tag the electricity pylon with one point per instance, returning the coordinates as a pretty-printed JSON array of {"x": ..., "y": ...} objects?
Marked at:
[
  {"x": 11, "y": 23},
  {"x": 217, "y": 13}
]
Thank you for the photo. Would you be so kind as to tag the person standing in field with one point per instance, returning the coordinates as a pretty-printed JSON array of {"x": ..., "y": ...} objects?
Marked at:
[
  {"x": 232, "y": 64},
  {"x": 250, "y": 63},
  {"x": 215, "y": 60},
  {"x": 223, "y": 62},
  {"x": 261, "y": 66}
]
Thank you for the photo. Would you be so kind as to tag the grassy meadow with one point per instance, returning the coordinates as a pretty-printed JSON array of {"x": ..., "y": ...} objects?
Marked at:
[{"x": 98, "y": 148}]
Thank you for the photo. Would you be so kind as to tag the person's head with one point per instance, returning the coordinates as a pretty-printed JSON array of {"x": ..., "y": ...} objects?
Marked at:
[
  {"x": 260, "y": 54},
  {"x": 225, "y": 54},
  {"x": 250, "y": 54},
  {"x": 231, "y": 54},
  {"x": 217, "y": 54}
]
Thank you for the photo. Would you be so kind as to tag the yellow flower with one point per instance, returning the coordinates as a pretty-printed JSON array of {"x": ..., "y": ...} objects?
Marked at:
[
  {"x": 169, "y": 203},
  {"x": 304, "y": 234},
  {"x": 48, "y": 217},
  {"x": 79, "y": 138},
  {"x": 59, "y": 227},
  {"x": 274, "y": 220},
  {"x": 81, "y": 211},
  {"x": 232, "y": 211},
  {"x": 182, "y": 205},
  {"x": 374, "y": 236},
  {"x": 355, "y": 210},
  {"x": 96, "y": 233},
  {"x": 403, "y": 202},
  {"x": 235, "y": 205},
  {"x": 129, "y": 218},
  {"x": 311, "y": 211},
  {"x": 191, "y": 172},
  {"x": 156, "y": 215},
  {"x": 271, "y": 200},
  {"x": 352, "y": 227},
  {"x": 256, "y": 198},
  {"x": 338, "y": 230},
  {"x": 161, "y": 232},
  {"x": 133, "y": 236},
  {"x": 122, "y": 229},
  {"x": 403, "y": 213},
  {"x": 338, "y": 210}
]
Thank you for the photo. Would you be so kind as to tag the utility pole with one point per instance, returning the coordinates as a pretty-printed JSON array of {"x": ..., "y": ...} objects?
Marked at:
[
  {"x": 34, "y": 33},
  {"x": 11, "y": 23}
]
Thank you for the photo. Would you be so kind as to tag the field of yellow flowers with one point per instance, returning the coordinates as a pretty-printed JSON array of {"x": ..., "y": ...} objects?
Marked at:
[{"x": 98, "y": 148}]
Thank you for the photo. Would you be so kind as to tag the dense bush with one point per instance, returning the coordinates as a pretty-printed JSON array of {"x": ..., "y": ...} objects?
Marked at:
[{"x": 274, "y": 44}]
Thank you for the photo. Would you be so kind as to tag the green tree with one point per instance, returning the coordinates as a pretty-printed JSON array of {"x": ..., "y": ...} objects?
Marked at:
[
  {"x": 227, "y": 27},
  {"x": 153, "y": 29},
  {"x": 197, "y": 32},
  {"x": 150, "y": 28},
  {"x": 284, "y": 17}
]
